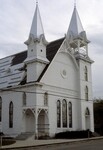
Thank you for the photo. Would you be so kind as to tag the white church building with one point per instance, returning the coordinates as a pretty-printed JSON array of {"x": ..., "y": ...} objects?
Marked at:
[{"x": 47, "y": 88}]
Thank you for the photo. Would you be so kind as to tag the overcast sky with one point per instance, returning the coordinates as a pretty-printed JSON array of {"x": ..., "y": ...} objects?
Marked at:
[{"x": 16, "y": 18}]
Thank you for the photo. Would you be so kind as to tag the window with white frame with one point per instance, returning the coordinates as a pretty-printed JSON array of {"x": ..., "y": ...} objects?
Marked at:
[
  {"x": 11, "y": 115},
  {"x": 0, "y": 109},
  {"x": 64, "y": 113},
  {"x": 87, "y": 112},
  {"x": 24, "y": 99},
  {"x": 70, "y": 114},
  {"x": 86, "y": 93},
  {"x": 45, "y": 99},
  {"x": 86, "y": 73},
  {"x": 58, "y": 114}
]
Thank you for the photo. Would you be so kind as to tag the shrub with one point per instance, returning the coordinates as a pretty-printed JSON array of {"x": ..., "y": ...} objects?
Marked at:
[
  {"x": 6, "y": 140},
  {"x": 74, "y": 134}
]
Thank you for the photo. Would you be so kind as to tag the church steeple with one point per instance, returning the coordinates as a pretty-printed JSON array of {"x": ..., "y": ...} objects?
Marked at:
[
  {"x": 36, "y": 43},
  {"x": 37, "y": 27},
  {"x": 76, "y": 36},
  {"x": 75, "y": 24},
  {"x": 36, "y": 30}
]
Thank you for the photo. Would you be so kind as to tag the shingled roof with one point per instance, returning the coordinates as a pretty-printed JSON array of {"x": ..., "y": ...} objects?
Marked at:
[
  {"x": 19, "y": 58},
  {"x": 52, "y": 48},
  {"x": 13, "y": 69}
]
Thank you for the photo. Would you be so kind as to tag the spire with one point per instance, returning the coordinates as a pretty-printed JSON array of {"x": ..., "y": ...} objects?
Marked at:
[
  {"x": 36, "y": 2},
  {"x": 75, "y": 3},
  {"x": 75, "y": 27},
  {"x": 37, "y": 27},
  {"x": 76, "y": 36},
  {"x": 36, "y": 31}
]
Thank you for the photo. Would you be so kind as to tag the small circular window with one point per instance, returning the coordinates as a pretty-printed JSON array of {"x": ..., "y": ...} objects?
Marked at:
[{"x": 64, "y": 73}]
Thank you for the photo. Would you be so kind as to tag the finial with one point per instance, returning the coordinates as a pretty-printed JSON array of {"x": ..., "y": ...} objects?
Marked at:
[
  {"x": 75, "y": 3},
  {"x": 36, "y": 2}
]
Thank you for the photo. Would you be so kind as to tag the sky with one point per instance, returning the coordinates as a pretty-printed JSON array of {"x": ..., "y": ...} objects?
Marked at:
[{"x": 16, "y": 18}]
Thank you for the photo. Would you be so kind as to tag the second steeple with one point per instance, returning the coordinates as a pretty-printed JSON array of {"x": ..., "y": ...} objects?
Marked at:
[{"x": 76, "y": 36}]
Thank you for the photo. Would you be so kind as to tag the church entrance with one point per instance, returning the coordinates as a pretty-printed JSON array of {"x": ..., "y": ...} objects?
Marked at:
[
  {"x": 29, "y": 121},
  {"x": 87, "y": 119},
  {"x": 43, "y": 124}
]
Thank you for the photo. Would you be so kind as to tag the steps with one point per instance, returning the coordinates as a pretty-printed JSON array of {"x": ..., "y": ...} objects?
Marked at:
[
  {"x": 25, "y": 136},
  {"x": 95, "y": 134}
]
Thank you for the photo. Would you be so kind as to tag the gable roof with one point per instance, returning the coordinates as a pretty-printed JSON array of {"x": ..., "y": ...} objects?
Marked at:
[
  {"x": 52, "y": 48},
  {"x": 51, "y": 51},
  {"x": 13, "y": 69},
  {"x": 19, "y": 58}
]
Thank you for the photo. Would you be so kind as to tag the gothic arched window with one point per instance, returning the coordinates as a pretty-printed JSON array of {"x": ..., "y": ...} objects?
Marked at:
[
  {"x": 58, "y": 114},
  {"x": 64, "y": 113},
  {"x": 11, "y": 115},
  {"x": 87, "y": 112},
  {"x": 70, "y": 114},
  {"x": 86, "y": 73},
  {"x": 24, "y": 99},
  {"x": 0, "y": 109},
  {"x": 45, "y": 99},
  {"x": 86, "y": 93}
]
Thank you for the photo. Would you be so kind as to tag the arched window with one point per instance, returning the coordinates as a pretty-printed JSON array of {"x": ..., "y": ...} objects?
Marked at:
[
  {"x": 70, "y": 114},
  {"x": 11, "y": 115},
  {"x": 58, "y": 114},
  {"x": 0, "y": 109},
  {"x": 24, "y": 99},
  {"x": 86, "y": 74},
  {"x": 87, "y": 112},
  {"x": 64, "y": 113},
  {"x": 87, "y": 119},
  {"x": 86, "y": 93},
  {"x": 45, "y": 99}
]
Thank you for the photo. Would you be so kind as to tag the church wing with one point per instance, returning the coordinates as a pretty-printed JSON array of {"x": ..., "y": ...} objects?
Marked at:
[{"x": 13, "y": 68}]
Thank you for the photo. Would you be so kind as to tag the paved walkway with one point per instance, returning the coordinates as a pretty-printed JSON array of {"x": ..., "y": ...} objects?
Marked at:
[{"x": 31, "y": 142}]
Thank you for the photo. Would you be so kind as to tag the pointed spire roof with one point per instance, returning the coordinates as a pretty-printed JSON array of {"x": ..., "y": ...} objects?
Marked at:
[
  {"x": 75, "y": 26},
  {"x": 37, "y": 27},
  {"x": 36, "y": 32}
]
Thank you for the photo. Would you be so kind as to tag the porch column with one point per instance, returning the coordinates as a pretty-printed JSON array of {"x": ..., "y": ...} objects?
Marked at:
[
  {"x": 67, "y": 115},
  {"x": 36, "y": 124},
  {"x": 61, "y": 116}
]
